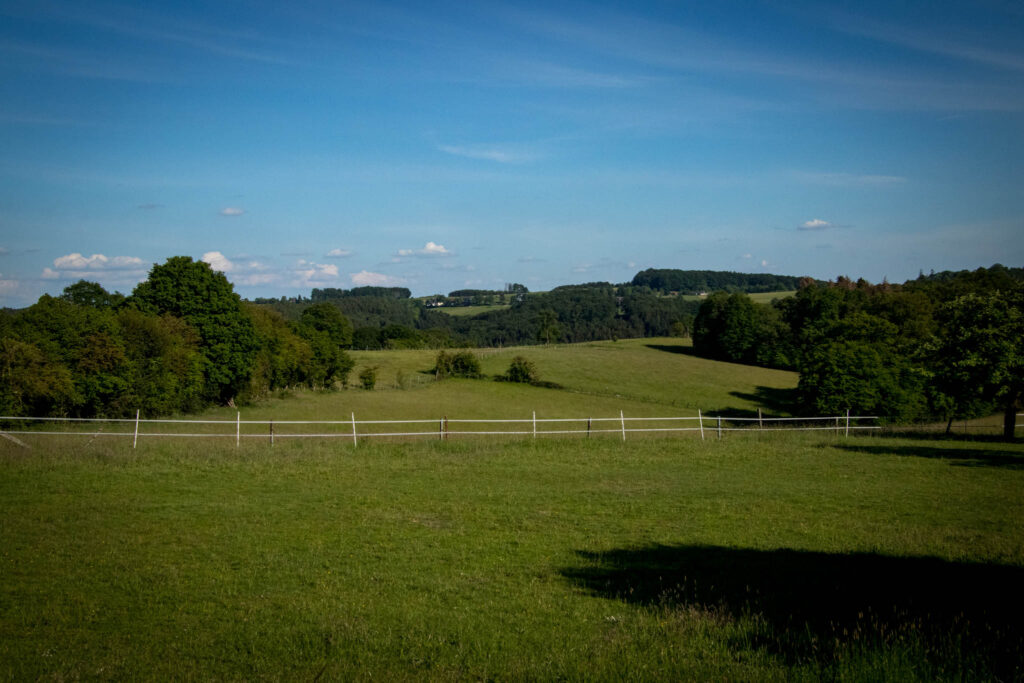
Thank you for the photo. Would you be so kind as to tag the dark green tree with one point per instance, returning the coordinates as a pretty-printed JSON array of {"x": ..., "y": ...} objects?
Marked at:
[
  {"x": 979, "y": 356},
  {"x": 85, "y": 293},
  {"x": 548, "y": 329},
  {"x": 204, "y": 298}
]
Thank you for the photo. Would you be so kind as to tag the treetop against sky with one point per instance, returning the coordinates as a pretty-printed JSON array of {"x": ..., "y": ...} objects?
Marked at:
[{"x": 440, "y": 146}]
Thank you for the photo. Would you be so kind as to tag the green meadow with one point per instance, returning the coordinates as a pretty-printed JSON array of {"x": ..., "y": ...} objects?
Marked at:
[{"x": 759, "y": 556}]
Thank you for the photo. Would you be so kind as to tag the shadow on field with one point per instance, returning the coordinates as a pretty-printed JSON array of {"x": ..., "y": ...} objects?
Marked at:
[
  {"x": 775, "y": 401},
  {"x": 1010, "y": 460},
  {"x": 812, "y": 606},
  {"x": 672, "y": 348}
]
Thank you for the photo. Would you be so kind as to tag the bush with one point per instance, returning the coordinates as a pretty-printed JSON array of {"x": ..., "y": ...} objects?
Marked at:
[
  {"x": 521, "y": 370},
  {"x": 368, "y": 376},
  {"x": 458, "y": 364}
]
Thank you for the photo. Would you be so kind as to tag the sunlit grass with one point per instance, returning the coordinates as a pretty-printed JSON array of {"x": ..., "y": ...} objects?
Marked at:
[{"x": 659, "y": 559}]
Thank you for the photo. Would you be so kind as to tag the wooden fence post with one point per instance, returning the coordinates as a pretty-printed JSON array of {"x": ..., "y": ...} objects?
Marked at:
[
  {"x": 700, "y": 421},
  {"x": 760, "y": 425},
  {"x": 135, "y": 441},
  {"x": 622, "y": 419},
  {"x": 719, "y": 426},
  {"x": 355, "y": 441}
]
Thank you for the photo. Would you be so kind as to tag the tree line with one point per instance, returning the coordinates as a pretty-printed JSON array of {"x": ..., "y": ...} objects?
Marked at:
[
  {"x": 181, "y": 341},
  {"x": 704, "y": 281},
  {"x": 947, "y": 345}
]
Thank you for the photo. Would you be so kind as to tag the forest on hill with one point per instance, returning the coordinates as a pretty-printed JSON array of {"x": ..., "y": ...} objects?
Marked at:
[{"x": 943, "y": 345}]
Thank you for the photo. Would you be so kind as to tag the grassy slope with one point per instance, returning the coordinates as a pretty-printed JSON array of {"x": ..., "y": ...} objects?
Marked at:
[
  {"x": 646, "y": 376},
  {"x": 548, "y": 559}
]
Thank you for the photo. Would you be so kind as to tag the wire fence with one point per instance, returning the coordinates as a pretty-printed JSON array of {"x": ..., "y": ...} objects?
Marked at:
[{"x": 353, "y": 430}]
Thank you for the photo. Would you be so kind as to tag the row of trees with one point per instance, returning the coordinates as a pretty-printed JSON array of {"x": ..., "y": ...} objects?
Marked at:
[
  {"x": 573, "y": 313},
  {"x": 696, "y": 281},
  {"x": 943, "y": 346},
  {"x": 182, "y": 340}
]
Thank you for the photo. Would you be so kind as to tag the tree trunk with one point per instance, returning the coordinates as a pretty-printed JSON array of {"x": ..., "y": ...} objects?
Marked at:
[{"x": 1010, "y": 420}]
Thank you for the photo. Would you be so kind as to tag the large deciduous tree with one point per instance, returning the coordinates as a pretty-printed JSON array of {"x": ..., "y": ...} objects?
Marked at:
[
  {"x": 204, "y": 298},
  {"x": 979, "y": 355}
]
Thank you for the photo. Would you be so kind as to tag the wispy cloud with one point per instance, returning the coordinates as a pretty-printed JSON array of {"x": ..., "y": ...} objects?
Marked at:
[
  {"x": 847, "y": 179},
  {"x": 232, "y": 211},
  {"x": 547, "y": 74},
  {"x": 932, "y": 42},
  {"x": 339, "y": 253},
  {"x": 498, "y": 153}
]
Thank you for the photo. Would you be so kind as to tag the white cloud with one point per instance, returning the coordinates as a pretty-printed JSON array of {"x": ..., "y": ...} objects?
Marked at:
[
  {"x": 311, "y": 274},
  {"x": 764, "y": 263},
  {"x": 249, "y": 273},
  {"x": 111, "y": 270},
  {"x": 814, "y": 224},
  {"x": 366, "y": 278},
  {"x": 218, "y": 261},
  {"x": 429, "y": 249},
  {"x": 77, "y": 262},
  {"x": 747, "y": 256},
  {"x": 231, "y": 211},
  {"x": 339, "y": 253}
]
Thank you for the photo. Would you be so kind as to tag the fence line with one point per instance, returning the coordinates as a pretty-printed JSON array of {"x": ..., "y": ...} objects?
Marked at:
[{"x": 350, "y": 429}]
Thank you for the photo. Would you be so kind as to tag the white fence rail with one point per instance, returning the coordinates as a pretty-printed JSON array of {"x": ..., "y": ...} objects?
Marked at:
[{"x": 440, "y": 428}]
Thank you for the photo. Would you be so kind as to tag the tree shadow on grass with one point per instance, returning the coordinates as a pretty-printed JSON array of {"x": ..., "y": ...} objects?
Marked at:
[
  {"x": 672, "y": 348},
  {"x": 1005, "y": 459},
  {"x": 775, "y": 400},
  {"x": 814, "y": 606}
]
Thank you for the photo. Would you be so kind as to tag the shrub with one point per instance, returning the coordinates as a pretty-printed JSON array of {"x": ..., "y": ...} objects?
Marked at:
[
  {"x": 521, "y": 370},
  {"x": 368, "y": 376},
  {"x": 458, "y": 364}
]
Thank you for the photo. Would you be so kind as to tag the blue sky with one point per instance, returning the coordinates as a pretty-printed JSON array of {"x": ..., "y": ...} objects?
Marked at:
[{"x": 448, "y": 145}]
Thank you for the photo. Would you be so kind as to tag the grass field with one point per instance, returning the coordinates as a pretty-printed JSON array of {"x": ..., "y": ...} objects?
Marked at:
[
  {"x": 641, "y": 376},
  {"x": 759, "y": 297},
  {"x": 785, "y": 558},
  {"x": 759, "y": 556},
  {"x": 470, "y": 310}
]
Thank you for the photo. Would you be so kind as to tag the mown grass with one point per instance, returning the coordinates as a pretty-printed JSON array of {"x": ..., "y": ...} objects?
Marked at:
[{"x": 754, "y": 557}]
